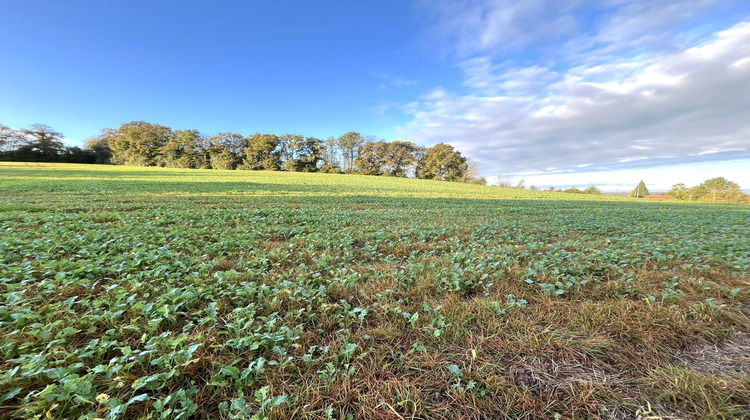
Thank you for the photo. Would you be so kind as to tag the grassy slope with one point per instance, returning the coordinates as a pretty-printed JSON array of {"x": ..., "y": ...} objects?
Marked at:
[{"x": 214, "y": 293}]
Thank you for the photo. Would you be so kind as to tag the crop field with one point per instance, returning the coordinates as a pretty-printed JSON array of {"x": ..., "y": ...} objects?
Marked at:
[{"x": 160, "y": 293}]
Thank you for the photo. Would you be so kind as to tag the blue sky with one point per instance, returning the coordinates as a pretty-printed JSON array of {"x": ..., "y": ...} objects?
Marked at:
[{"x": 560, "y": 93}]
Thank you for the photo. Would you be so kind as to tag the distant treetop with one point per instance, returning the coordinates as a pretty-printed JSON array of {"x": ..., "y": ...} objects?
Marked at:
[{"x": 640, "y": 190}]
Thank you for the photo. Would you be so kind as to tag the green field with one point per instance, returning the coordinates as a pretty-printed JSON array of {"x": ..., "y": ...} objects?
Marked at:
[{"x": 160, "y": 293}]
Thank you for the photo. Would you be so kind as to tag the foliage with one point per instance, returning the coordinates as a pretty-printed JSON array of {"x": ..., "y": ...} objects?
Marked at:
[
  {"x": 300, "y": 153},
  {"x": 592, "y": 190},
  {"x": 639, "y": 191},
  {"x": 714, "y": 190},
  {"x": 139, "y": 143},
  {"x": 721, "y": 190},
  {"x": 262, "y": 152},
  {"x": 399, "y": 158},
  {"x": 40, "y": 143},
  {"x": 349, "y": 144},
  {"x": 100, "y": 149},
  {"x": 371, "y": 158},
  {"x": 679, "y": 191},
  {"x": 443, "y": 163}
]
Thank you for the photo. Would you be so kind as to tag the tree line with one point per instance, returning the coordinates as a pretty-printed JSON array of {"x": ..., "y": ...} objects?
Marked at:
[
  {"x": 506, "y": 181},
  {"x": 139, "y": 143},
  {"x": 714, "y": 190},
  {"x": 41, "y": 143}
]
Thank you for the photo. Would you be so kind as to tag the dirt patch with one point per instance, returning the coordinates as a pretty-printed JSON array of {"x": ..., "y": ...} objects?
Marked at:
[
  {"x": 549, "y": 374},
  {"x": 731, "y": 357}
]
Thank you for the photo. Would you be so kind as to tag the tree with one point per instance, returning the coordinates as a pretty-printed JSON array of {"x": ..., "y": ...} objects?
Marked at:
[
  {"x": 471, "y": 175},
  {"x": 504, "y": 181},
  {"x": 419, "y": 154},
  {"x": 722, "y": 190},
  {"x": 640, "y": 190},
  {"x": 479, "y": 181},
  {"x": 138, "y": 143},
  {"x": 309, "y": 154},
  {"x": 75, "y": 154},
  {"x": 442, "y": 162},
  {"x": 225, "y": 150},
  {"x": 262, "y": 152},
  {"x": 300, "y": 153},
  {"x": 679, "y": 191},
  {"x": 592, "y": 190},
  {"x": 696, "y": 192},
  {"x": 371, "y": 158},
  {"x": 186, "y": 149},
  {"x": 99, "y": 146},
  {"x": 43, "y": 144},
  {"x": 11, "y": 139},
  {"x": 11, "y": 142},
  {"x": 331, "y": 152},
  {"x": 349, "y": 144},
  {"x": 399, "y": 157}
]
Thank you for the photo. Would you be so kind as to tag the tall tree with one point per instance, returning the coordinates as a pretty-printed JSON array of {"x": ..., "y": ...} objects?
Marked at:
[
  {"x": 442, "y": 162},
  {"x": 308, "y": 155},
  {"x": 679, "y": 191},
  {"x": 371, "y": 158},
  {"x": 138, "y": 143},
  {"x": 399, "y": 157},
  {"x": 99, "y": 146},
  {"x": 288, "y": 146},
  {"x": 44, "y": 142},
  {"x": 11, "y": 141},
  {"x": 695, "y": 193},
  {"x": 349, "y": 144},
  {"x": 640, "y": 190},
  {"x": 262, "y": 152},
  {"x": 419, "y": 154},
  {"x": 226, "y": 150},
  {"x": 186, "y": 149},
  {"x": 472, "y": 174},
  {"x": 331, "y": 153},
  {"x": 300, "y": 153},
  {"x": 722, "y": 190}
]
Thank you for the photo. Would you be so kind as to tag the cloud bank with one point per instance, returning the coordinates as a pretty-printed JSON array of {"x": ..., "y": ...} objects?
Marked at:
[{"x": 631, "y": 84}]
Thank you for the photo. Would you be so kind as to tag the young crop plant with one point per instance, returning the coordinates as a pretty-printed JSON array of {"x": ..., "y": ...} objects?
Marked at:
[{"x": 160, "y": 293}]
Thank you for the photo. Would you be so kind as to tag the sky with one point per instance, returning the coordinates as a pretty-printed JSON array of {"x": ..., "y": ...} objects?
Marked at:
[{"x": 563, "y": 93}]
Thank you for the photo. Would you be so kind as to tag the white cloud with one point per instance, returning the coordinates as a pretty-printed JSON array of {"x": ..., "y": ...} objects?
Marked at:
[
  {"x": 481, "y": 26},
  {"x": 638, "y": 94},
  {"x": 582, "y": 26}
]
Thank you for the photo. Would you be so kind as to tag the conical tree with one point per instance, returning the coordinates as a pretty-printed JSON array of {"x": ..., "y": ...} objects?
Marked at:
[{"x": 640, "y": 191}]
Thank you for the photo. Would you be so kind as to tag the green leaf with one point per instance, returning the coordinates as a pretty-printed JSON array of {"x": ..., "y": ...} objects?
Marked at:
[
  {"x": 10, "y": 394},
  {"x": 137, "y": 398},
  {"x": 455, "y": 370}
]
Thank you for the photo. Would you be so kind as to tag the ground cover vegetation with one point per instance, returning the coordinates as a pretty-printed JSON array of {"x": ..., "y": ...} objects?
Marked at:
[
  {"x": 139, "y": 143},
  {"x": 131, "y": 292}
]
